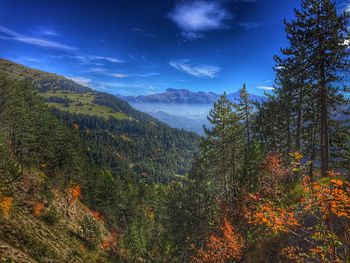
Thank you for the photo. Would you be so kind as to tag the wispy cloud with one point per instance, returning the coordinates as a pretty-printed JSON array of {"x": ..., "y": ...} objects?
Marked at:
[
  {"x": 107, "y": 72},
  {"x": 81, "y": 80},
  {"x": 125, "y": 88},
  {"x": 97, "y": 70},
  {"x": 8, "y": 34},
  {"x": 31, "y": 59},
  {"x": 141, "y": 32},
  {"x": 146, "y": 75},
  {"x": 196, "y": 70},
  {"x": 142, "y": 60},
  {"x": 266, "y": 87},
  {"x": 119, "y": 75},
  {"x": 47, "y": 31},
  {"x": 109, "y": 59},
  {"x": 249, "y": 25},
  {"x": 90, "y": 59},
  {"x": 124, "y": 75},
  {"x": 200, "y": 16},
  {"x": 191, "y": 36}
]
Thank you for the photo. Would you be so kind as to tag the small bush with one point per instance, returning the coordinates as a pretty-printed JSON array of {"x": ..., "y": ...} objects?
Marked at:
[{"x": 52, "y": 216}]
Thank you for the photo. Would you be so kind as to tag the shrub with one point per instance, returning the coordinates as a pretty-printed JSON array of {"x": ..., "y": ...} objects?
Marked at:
[
  {"x": 90, "y": 231},
  {"x": 52, "y": 216}
]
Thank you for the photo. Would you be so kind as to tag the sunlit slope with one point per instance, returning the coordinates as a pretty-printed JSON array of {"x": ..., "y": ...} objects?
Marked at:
[
  {"x": 80, "y": 103},
  {"x": 117, "y": 133}
]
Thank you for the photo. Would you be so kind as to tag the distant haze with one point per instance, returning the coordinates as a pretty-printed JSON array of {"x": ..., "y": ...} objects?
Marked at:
[{"x": 181, "y": 108}]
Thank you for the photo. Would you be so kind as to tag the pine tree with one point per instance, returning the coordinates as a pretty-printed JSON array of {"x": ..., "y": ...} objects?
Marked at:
[
  {"x": 224, "y": 146},
  {"x": 245, "y": 109},
  {"x": 319, "y": 37}
]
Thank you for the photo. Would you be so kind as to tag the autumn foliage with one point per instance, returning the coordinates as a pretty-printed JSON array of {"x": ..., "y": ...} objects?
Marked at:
[
  {"x": 221, "y": 248},
  {"x": 331, "y": 198},
  {"x": 325, "y": 201},
  {"x": 110, "y": 243},
  {"x": 273, "y": 173},
  {"x": 98, "y": 216},
  {"x": 273, "y": 217},
  {"x": 37, "y": 209},
  {"x": 75, "y": 192},
  {"x": 6, "y": 204}
]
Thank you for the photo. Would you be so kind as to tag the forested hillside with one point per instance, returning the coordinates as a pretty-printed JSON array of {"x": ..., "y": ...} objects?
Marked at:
[
  {"x": 47, "y": 167},
  {"x": 84, "y": 177},
  {"x": 273, "y": 185},
  {"x": 116, "y": 133}
]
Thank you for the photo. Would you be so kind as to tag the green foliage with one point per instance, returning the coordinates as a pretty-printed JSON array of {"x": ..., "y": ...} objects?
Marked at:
[
  {"x": 223, "y": 149},
  {"x": 116, "y": 135},
  {"x": 90, "y": 231},
  {"x": 51, "y": 217},
  {"x": 310, "y": 75},
  {"x": 154, "y": 151},
  {"x": 9, "y": 170},
  {"x": 33, "y": 132}
]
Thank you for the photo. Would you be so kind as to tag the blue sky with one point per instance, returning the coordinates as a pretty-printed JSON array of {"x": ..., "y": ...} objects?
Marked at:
[{"x": 136, "y": 47}]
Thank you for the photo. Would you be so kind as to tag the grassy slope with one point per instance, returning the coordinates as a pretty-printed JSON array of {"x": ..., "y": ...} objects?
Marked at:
[
  {"x": 48, "y": 83},
  {"x": 82, "y": 103},
  {"x": 29, "y": 238}
]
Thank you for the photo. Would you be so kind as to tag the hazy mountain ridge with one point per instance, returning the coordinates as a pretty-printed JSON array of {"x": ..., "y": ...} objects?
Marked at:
[
  {"x": 181, "y": 108},
  {"x": 184, "y": 96}
]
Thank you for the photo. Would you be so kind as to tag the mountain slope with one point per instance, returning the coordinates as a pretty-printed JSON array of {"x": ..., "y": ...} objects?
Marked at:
[
  {"x": 78, "y": 188},
  {"x": 119, "y": 135}
]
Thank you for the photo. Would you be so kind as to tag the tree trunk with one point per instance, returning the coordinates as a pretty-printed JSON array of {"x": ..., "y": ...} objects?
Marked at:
[
  {"x": 324, "y": 132},
  {"x": 299, "y": 117}
]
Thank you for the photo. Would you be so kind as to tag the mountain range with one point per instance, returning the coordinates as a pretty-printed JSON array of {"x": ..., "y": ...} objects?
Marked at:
[
  {"x": 182, "y": 108},
  {"x": 184, "y": 96}
]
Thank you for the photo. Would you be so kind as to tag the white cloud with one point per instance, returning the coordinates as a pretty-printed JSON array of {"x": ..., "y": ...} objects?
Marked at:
[
  {"x": 346, "y": 41},
  {"x": 81, "y": 80},
  {"x": 119, "y": 75},
  {"x": 146, "y": 75},
  {"x": 196, "y": 70},
  {"x": 200, "y": 16},
  {"x": 266, "y": 87},
  {"x": 7, "y": 34}
]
